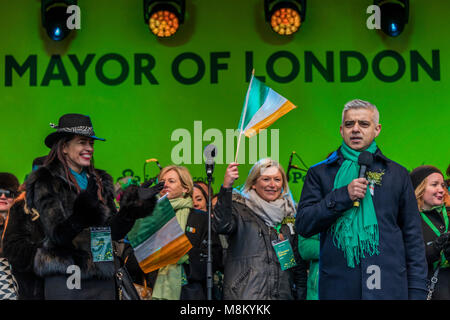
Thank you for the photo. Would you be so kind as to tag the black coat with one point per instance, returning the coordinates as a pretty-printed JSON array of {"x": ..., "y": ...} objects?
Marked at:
[
  {"x": 196, "y": 289},
  {"x": 22, "y": 237},
  {"x": 401, "y": 261},
  {"x": 49, "y": 192},
  {"x": 198, "y": 255},
  {"x": 252, "y": 269},
  {"x": 442, "y": 289}
]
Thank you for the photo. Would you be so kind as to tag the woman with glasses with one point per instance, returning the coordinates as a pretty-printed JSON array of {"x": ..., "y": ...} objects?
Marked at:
[
  {"x": 9, "y": 186},
  {"x": 8, "y": 190}
]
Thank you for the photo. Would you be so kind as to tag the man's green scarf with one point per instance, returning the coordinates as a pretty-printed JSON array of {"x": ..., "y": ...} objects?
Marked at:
[{"x": 356, "y": 231}]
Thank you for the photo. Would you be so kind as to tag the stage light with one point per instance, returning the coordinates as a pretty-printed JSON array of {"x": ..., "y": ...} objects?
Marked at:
[
  {"x": 394, "y": 16},
  {"x": 54, "y": 18},
  {"x": 164, "y": 17},
  {"x": 285, "y": 16}
]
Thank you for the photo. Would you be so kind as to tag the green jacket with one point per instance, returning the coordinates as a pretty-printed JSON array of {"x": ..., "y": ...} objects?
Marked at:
[{"x": 309, "y": 249}]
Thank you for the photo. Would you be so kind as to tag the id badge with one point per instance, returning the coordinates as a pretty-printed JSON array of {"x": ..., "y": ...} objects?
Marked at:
[
  {"x": 101, "y": 244},
  {"x": 285, "y": 254}
]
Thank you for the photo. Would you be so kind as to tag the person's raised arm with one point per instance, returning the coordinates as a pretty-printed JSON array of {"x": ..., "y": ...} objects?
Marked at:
[{"x": 223, "y": 220}]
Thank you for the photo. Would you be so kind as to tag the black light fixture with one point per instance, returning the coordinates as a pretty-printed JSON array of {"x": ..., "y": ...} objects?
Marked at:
[
  {"x": 394, "y": 15},
  {"x": 54, "y": 17},
  {"x": 285, "y": 16},
  {"x": 164, "y": 17}
]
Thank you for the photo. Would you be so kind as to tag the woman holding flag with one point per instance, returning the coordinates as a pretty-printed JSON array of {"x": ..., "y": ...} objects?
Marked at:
[
  {"x": 262, "y": 259},
  {"x": 186, "y": 279}
]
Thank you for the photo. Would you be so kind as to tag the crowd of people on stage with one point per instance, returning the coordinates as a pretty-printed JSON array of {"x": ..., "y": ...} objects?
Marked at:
[{"x": 364, "y": 227}]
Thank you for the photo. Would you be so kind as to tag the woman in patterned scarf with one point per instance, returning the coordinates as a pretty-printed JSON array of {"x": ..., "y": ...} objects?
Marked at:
[{"x": 186, "y": 280}]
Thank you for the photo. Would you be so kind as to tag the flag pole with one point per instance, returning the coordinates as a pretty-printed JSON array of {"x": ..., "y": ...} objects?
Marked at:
[{"x": 243, "y": 116}]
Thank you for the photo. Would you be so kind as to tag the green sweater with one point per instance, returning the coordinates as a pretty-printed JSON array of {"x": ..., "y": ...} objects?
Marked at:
[{"x": 309, "y": 249}]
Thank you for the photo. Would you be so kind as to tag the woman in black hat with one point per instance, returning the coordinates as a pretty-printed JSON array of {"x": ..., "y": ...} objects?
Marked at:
[
  {"x": 75, "y": 203},
  {"x": 430, "y": 190}
]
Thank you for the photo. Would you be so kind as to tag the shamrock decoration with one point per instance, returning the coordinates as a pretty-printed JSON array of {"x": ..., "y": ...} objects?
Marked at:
[{"x": 375, "y": 177}]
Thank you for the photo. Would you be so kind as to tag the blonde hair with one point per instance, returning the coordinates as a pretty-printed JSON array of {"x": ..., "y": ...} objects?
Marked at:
[
  {"x": 258, "y": 170},
  {"x": 420, "y": 190},
  {"x": 183, "y": 174}
]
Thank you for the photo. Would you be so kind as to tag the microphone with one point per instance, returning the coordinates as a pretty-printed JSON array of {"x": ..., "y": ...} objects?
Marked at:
[
  {"x": 290, "y": 158},
  {"x": 290, "y": 165},
  {"x": 150, "y": 181},
  {"x": 365, "y": 160},
  {"x": 154, "y": 160},
  {"x": 210, "y": 154}
]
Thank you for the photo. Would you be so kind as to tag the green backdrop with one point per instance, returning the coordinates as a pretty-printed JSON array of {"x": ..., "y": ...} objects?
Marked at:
[{"x": 139, "y": 90}]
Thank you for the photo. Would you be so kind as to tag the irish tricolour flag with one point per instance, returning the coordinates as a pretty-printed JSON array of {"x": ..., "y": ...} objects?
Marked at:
[
  {"x": 262, "y": 107},
  {"x": 158, "y": 239}
]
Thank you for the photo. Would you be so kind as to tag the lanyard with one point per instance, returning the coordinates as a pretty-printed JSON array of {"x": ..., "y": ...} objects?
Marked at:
[
  {"x": 277, "y": 229},
  {"x": 433, "y": 227}
]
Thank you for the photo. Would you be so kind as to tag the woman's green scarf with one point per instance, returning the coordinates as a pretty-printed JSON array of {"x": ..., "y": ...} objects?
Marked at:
[
  {"x": 169, "y": 279},
  {"x": 356, "y": 231}
]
